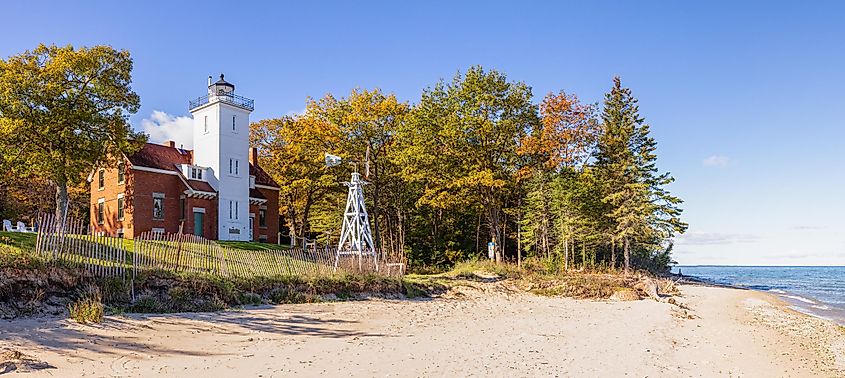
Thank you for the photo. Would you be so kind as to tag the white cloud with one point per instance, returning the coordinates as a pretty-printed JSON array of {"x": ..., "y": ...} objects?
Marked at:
[
  {"x": 295, "y": 113},
  {"x": 163, "y": 127},
  {"x": 717, "y": 161},
  {"x": 715, "y": 238}
]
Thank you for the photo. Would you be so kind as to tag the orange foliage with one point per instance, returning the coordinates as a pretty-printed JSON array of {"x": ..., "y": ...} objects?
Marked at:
[{"x": 567, "y": 132}]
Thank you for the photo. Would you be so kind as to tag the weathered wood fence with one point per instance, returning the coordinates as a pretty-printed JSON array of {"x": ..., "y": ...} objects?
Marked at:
[
  {"x": 70, "y": 241},
  {"x": 106, "y": 256}
]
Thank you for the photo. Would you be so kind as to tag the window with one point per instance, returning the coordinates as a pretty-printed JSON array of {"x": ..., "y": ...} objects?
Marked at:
[
  {"x": 181, "y": 207},
  {"x": 262, "y": 217},
  {"x": 234, "y": 167},
  {"x": 102, "y": 179},
  {"x": 205, "y": 124},
  {"x": 233, "y": 209},
  {"x": 101, "y": 210},
  {"x": 120, "y": 206},
  {"x": 233, "y": 123},
  {"x": 121, "y": 172},
  {"x": 158, "y": 206},
  {"x": 196, "y": 173}
]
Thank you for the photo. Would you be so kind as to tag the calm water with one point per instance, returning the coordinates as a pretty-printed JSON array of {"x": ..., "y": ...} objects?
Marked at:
[{"x": 815, "y": 290}]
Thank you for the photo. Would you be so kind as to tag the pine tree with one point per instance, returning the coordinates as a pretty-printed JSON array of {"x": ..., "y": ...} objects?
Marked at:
[{"x": 640, "y": 209}]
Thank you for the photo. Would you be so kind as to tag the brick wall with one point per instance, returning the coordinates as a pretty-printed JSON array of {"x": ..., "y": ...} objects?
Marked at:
[
  {"x": 145, "y": 185},
  {"x": 272, "y": 229},
  {"x": 109, "y": 193},
  {"x": 209, "y": 219},
  {"x": 138, "y": 189}
]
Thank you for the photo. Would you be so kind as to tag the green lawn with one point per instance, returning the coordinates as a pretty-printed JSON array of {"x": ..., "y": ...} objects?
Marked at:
[
  {"x": 242, "y": 258},
  {"x": 26, "y": 240},
  {"x": 22, "y": 240},
  {"x": 252, "y": 246}
]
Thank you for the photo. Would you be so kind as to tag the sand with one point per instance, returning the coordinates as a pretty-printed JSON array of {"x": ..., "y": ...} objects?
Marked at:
[{"x": 480, "y": 332}]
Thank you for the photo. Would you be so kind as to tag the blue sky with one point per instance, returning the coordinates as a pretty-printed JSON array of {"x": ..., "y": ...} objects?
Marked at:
[{"x": 743, "y": 98}]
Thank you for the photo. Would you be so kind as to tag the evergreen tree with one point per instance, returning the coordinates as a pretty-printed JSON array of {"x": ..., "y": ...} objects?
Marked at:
[{"x": 640, "y": 209}]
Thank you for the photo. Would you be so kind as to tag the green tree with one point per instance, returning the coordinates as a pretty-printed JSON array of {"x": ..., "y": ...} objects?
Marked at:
[
  {"x": 461, "y": 143},
  {"x": 640, "y": 208},
  {"x": 64, "y": 111}
]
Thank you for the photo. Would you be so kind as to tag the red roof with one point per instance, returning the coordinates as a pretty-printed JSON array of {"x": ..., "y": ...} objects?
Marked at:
[
  {"x": 160, "y": 157},
  {"x": 261, "y": 177},
  {"x": 169, "y": 158}
]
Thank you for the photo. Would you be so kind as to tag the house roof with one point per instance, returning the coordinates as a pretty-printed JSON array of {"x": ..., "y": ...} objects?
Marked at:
[
  {"x": 255, "y": 193},
  {"x": 169, "y": 158},
  {"x": 261, "y": 177},
  {"x": 201, "y": 186},
  {"x": 160, "y": 157}
]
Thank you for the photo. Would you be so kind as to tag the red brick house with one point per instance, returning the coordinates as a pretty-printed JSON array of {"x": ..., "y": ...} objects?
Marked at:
[{"x": 203, "y": 191}]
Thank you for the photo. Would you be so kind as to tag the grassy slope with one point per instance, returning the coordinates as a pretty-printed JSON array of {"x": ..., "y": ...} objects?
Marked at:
[
  {"x": 20, "y": 240},
  {"x": 26, "y": 241}
]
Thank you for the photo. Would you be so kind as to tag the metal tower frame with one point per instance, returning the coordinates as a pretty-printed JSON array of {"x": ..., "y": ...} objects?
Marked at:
[{"x": 355, "y": 235}]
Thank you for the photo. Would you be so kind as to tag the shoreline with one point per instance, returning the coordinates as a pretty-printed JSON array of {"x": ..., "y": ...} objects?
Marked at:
[
  {"x": 802, "y": 303},
  {"x": 482, "y": 331}
]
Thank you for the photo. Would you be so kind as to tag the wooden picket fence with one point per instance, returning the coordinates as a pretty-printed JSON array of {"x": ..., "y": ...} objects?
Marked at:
[
  {"x": 106, "y": 256},
  {"x": 189, "y": 253},
  {"x": 70, "y": 241}
]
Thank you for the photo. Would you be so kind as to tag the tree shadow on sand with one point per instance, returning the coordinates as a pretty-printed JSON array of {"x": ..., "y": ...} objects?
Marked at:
[
  {"x": 119, "y": 335},
  {"x": 260, "y": 319}
]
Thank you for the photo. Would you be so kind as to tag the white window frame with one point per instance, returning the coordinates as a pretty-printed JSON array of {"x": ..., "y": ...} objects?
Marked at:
[
  {"x": 101, "y": 211},
  {"x": 158, "y": 196},
  {"x": 121, "y": 172},
  {"x": 121, "y": 205}
]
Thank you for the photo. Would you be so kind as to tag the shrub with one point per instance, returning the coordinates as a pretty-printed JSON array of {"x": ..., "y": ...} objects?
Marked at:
[
  {"x": 250, "y": 299},
  {"x": 88, "y": 308}
]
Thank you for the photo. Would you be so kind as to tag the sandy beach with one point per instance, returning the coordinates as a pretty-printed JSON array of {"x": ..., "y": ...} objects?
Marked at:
[{"x": 478, "y": 332}]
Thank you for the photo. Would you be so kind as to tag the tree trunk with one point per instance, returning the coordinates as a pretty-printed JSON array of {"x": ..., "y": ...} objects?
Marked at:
[
  {"x": 477, "y": 234},
  {"x": 376, "y": 223},
  {"x": 504, "y": 237},
  {"x": 565, "y": 253},
  {"x": 627, "y": 256},
  {"x": 613, "y": 254},
  {"x": 495, "y": 230},
  {"x": 61, "y": 199},
  {"x": 519, "y": 236}
]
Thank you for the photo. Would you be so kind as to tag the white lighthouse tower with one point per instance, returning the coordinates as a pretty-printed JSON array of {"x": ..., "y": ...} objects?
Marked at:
[{"x": 221, "y": 146}]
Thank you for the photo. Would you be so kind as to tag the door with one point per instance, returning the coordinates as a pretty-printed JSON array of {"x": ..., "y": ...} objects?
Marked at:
[{"x": 198, "y": 223}]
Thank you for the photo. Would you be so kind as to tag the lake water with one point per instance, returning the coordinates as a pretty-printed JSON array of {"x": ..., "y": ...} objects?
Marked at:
[{"x": 818, "y": 291}]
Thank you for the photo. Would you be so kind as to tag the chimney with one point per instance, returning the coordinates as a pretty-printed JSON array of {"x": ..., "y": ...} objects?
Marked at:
[
  {"x": 170, "y": 143},
  {"x": 253, "y": 156}
]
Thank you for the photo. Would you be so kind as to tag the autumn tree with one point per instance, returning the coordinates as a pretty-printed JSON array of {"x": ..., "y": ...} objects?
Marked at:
[
  {"x": 368, "y": 121},
  {"x": 291, "y": 151},
  {"x": 555, "y": 150},
  {"x": 65, "y": 110},
  {"x": 461, "y": 143}
]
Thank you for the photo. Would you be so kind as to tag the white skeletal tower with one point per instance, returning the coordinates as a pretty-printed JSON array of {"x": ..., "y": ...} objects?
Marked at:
[{"x": 355, "y": 235}]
